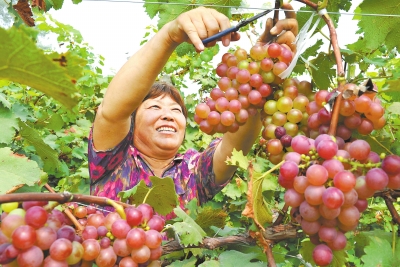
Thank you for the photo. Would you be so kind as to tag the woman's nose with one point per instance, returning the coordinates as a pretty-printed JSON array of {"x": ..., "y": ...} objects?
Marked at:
[{"x": 167, "y": 115}]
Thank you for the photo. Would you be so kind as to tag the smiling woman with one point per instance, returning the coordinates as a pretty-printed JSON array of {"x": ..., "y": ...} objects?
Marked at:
[{"x": 140, "y": 125}]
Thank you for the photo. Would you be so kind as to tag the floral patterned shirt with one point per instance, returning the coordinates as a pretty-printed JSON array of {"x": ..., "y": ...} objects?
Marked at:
[{"x": 123, "y": 167}]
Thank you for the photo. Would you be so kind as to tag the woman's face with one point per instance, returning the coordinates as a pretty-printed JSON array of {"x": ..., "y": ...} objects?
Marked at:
[{"x": 159, "y": 126}]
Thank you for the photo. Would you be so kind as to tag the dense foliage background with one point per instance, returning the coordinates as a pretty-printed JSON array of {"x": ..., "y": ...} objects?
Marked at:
[{"x": 48, "y": 102}]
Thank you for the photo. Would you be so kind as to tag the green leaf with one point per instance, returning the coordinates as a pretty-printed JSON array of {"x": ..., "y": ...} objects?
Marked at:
[
  {"x": 392, "y": 89},
  {"x": 380, "y": 30},
  {"x": 378, "y": 253},
  {"x": 57, "y": 4},
  {"x": 238, "y": 159},
  {"x": 171, "y": 12},
  {"x": 211, "y": 263},
  {"x": 188, "y": 231},
  {"x": 56, "y": 122},
  {"x": 21, "y": 61},
  {"x": 48, "y": 155},
  {"x": 185, "y": 263},
  {"x": 394, "y": 108},
  {"x": 325, "y": 64},
  {"x": 9, "y": 124},
  {"x": 16, "y": 170},
  {"x": 232, "y": 258},
  {"x": 219, "y": 5},
  {"x": 184, "y": 49},
  {"x": 233, "y": 191},
  {"x": 161, "y": 195},
  {"x": 152, "y": 9}
]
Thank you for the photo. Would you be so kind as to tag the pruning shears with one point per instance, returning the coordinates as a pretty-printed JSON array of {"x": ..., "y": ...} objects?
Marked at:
[{"x": 235, "y": 28}]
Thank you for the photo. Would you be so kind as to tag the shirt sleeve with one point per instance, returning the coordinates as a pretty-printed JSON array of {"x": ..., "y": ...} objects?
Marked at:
[
  {"x": 204, "y": 173},
  {"x": 102, "y": 163}
]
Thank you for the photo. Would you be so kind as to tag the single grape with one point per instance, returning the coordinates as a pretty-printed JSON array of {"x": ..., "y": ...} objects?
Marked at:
[
  {"x": 333, "y": 198},
  {"x": 293, "y": 198},
  {"x": 322, "y": 255}
]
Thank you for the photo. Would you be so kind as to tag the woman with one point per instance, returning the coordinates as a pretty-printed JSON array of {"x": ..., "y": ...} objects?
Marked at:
[{"x": 140, "y": 125}]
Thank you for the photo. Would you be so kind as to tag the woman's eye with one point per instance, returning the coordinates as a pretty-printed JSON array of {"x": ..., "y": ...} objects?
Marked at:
[
  {"x": 177, "y": 109},
  {"x": 155, "y": 106}
]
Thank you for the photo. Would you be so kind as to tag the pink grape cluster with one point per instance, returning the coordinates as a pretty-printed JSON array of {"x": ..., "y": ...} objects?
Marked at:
[
  {"x": 364, "y": 114},
  {"x": 31, "y": 236},
  {"x": 285, "y": 116},
  {"x": 243, "y": 88},
  {"x": 329, "y": 191}
]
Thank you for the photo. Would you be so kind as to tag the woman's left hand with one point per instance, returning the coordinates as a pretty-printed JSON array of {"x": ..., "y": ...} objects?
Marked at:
[{"x": 285, "y": 30}]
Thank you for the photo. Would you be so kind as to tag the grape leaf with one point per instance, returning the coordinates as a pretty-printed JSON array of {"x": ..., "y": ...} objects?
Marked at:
[
  {"x": 309, "y": 52},
  {"x": 9, "y": 124},
  {"x": 394, "y": 108},
  {"x": 233, "y": 191},
  {"x": 380, "y": 30},
  {"x": 211, "y": 217},
  {"x": 184, "y": 263},
  {"x": 392, "y": 89},
  {"x": 256, "y": 207},
  {"x": 233, "y": 258},
  {"x": 325, "y": 65},
  {"x": 28, "y": 65},
  {"x": 57, "y": 4},
  {"x": 16, "y": 170},
  {"x": 184, "y": 49},
  {"x": 171, "y": 12},
  {"x": 152, "y": 8},
  {"x": 211, "y": 263},
  {"x": 43, "y": 150},
  {"x": 378, "y": 253},
  {"x": 306, "y": 251},
  {"x": 161, "y": 194},
  {"x": 188, "y": 231},
  {"x": 238, "y": 159},
  {"x": 220, "y": 3}
]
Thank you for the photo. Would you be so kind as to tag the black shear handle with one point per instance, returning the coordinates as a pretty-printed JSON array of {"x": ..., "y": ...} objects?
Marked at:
[
  {"x": 235, "y": 28},
  {"x": 220, "y": 34}
]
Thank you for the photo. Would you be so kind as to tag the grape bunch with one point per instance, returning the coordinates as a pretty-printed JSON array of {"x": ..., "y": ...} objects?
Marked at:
[
  {"x": 364, "y": 114},
  {"x": 31, "y": 236},
  {"x": 244, "y": 85},
  {"x": 328, "y": 184},
  {"x": 285, "y": 116}
]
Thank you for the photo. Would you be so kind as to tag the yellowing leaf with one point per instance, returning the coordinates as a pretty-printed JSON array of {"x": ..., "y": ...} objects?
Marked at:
[{"x": 27, "y": 64}]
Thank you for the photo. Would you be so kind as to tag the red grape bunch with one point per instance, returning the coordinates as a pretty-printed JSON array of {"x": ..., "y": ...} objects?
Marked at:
[
  {"x": 31, "y": 236},
  {"x": 328, "y": 184},
  {"x": 243, "y": 88},
  {"x": 364, "y": 114}
]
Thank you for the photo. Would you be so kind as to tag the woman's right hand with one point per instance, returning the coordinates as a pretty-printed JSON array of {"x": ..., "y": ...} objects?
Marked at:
[{"x": 197, "y": 24}]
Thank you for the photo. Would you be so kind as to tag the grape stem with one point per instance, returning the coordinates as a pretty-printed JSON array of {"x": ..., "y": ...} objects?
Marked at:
[
  {"x": 67, "y": 212},
  {"x": 390, "y": 196},
  {"x": 379, "y": 143},
  {"x": 338, "y": 57}
]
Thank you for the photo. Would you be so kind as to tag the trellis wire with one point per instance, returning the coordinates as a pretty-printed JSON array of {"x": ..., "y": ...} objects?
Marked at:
[{"x": 245, "y": 7}]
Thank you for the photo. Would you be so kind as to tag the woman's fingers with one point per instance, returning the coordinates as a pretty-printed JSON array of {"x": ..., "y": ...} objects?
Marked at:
[
  {"x": 286, "y": 25},
  {"x": 201, "y": 23},
  {"x": 266, "y": 36},
  {"x": 287, "y": 38}
]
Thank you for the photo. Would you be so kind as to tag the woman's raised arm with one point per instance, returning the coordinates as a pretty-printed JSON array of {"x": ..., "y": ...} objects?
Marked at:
[{"x": 133, "y": 81}]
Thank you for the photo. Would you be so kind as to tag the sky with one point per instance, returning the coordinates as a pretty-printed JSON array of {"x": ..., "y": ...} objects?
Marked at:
[{"x": 115, "y": 29}]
